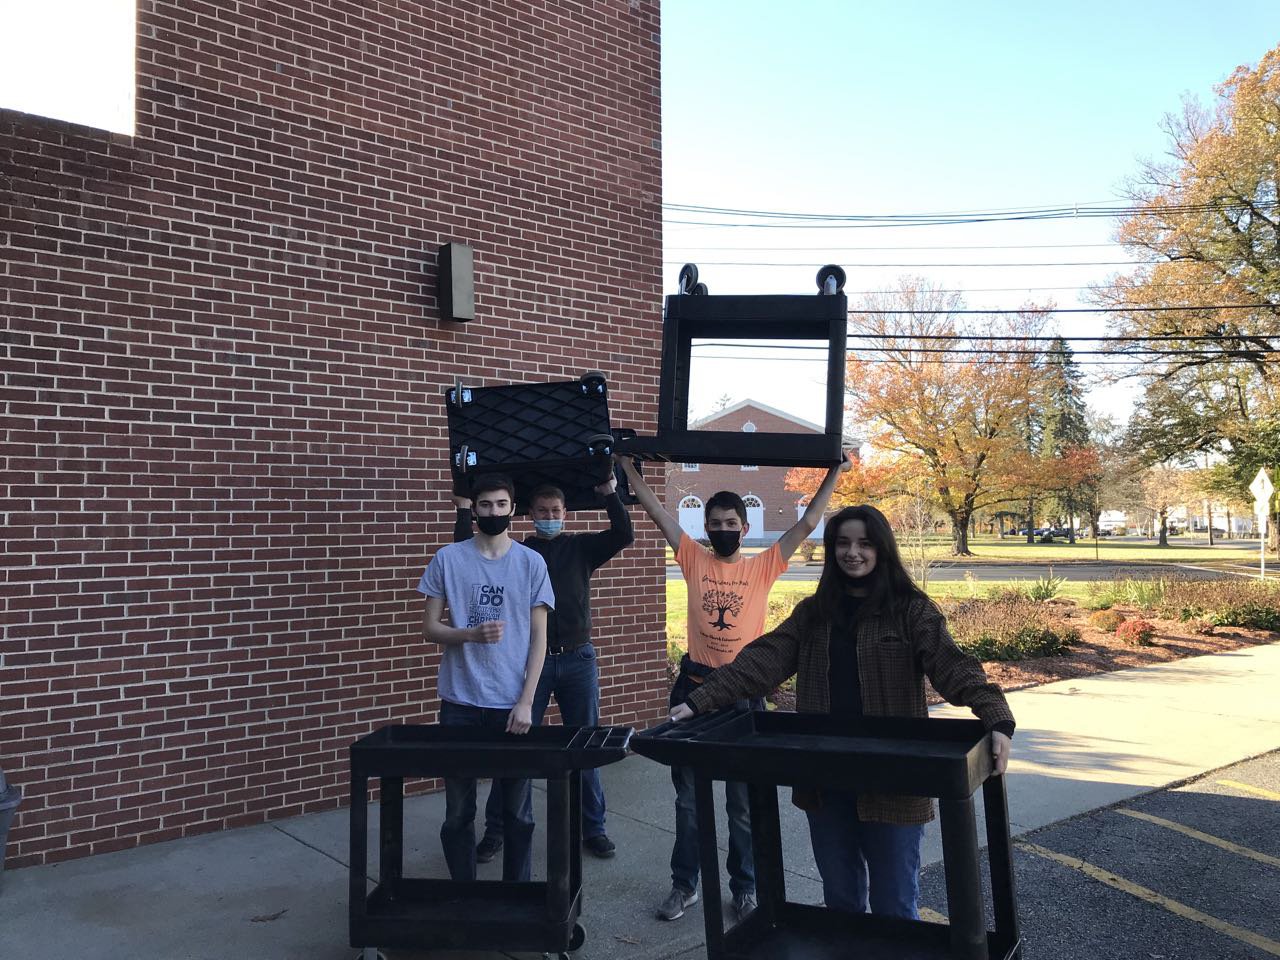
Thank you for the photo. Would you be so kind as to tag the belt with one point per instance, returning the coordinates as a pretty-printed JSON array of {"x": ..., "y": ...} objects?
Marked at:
[{"x": 554, "y": 651}]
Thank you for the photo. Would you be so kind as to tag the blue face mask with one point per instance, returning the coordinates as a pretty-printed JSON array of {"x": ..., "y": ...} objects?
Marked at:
[{"x": 548, "y": 528}]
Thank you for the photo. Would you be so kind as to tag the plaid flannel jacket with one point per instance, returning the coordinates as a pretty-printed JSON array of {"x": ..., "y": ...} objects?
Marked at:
[{"x": 891, "y": 670}]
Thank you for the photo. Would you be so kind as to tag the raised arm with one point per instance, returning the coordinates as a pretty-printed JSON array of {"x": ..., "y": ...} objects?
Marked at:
[
  {"x": 668, "y": 524},
  {"x": 808, "y": 521},
  {"x": 462, "y": 523},
  {"x": 603, "y": 546}
]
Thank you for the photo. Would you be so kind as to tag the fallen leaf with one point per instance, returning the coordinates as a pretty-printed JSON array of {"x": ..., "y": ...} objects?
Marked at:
[{"x": 268, "y": 917}]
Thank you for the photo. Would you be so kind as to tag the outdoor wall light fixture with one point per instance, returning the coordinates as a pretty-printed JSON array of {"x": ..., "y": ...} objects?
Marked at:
[{"x": 456, "y": 282}]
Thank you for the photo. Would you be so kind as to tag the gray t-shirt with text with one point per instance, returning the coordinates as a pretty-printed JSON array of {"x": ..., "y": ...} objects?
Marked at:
[{"x": 479, "y": 589}]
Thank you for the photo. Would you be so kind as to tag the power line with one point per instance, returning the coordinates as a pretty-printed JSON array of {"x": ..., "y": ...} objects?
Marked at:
[
  {"x": 1062, "y": 263},
  {"x": 810, "y": 221},
  {"x": 958, "y": 362},
  {"x": 1127, "y": 309},
  {"x": 1200, "y": 354},
  {"x": 954, "y": 246},
  {"x": 1154, "y": 337}
]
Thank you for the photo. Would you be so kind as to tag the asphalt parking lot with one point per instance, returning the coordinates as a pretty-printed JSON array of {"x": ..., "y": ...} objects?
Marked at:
[{"x": 1187, "y": 873}]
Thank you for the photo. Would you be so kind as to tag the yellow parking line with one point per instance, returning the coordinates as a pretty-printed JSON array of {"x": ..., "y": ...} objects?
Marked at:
[
  {"x": 1150, "y": 896},
  {"x": 1203, "y": 837},
  {"x": 933, "y": 916},
  {"x": 1236, "y": 784}
]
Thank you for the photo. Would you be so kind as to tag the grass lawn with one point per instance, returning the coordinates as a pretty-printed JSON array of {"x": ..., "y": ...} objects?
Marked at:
[{"x": 1180, "y": 550}]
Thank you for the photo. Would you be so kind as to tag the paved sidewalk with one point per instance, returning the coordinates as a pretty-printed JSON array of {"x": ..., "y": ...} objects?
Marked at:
[{"x": 278, "y": 891}]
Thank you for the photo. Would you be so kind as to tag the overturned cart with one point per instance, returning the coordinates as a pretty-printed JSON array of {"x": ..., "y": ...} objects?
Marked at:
[
  {"x": 947, "y": 759},
  {"x": 429, "y": 914}
]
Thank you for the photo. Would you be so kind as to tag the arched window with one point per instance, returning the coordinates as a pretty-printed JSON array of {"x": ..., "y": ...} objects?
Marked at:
[
  {"x": 691, "y": 503},
  {"x": 751, "y": 500},
  {"x": 748, "y": 427}
]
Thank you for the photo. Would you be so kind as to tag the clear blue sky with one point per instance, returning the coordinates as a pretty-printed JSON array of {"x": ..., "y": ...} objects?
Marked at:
[{"x": 851, "y": 107}]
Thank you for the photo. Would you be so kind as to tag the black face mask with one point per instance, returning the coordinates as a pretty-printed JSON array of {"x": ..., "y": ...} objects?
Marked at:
[
  {"x": 724, "y": 542},
  {"x": 492, "y": 526}
]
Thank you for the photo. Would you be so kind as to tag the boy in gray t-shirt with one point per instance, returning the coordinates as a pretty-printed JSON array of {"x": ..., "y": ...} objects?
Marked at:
[{"x": 499, "y": 594}]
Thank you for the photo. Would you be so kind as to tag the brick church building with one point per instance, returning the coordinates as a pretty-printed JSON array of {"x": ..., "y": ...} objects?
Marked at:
[
  {"x": 223, "y": 457},
  {"x": 771, "y": 508}
]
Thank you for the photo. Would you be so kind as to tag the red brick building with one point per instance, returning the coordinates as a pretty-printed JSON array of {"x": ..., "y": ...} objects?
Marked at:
[
  {"x": 771, "y": 508},
  {"x": 224, "y": 443}
]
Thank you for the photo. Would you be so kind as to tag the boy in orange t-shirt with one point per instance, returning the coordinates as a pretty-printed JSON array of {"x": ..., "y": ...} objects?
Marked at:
[{"x": 728, "y": 600}]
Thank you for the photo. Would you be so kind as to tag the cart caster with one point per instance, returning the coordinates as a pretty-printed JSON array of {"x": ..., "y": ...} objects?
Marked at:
[
  {"x": 688, "y": 277},
  {"x": 831, "y": 279},
  {"x": 600, "y": 445},
  {"x": 593, "y": 381},
  {"x": 371, "y": 953},
  {"x": 464, "y": 460},
  {"x": 699, "y": 290},
  {"x": 578, "y": 938},
  {"x": 459, "y": 396}
]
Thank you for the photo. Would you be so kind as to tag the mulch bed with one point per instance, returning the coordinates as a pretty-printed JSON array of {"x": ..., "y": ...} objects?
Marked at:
[{"x": 1099, "y": 652}]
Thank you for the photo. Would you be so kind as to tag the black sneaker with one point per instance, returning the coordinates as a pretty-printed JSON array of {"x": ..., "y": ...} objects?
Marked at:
[
  {"x": 487, "y": 848},
  {"x": 601, "y": 846}
]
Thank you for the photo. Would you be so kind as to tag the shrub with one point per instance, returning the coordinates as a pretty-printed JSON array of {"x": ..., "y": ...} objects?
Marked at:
[
  {"x": 1147, "y": 594},
  {"x": 779, "y": 609},
  {"x": 807, "y": 549},
  {"x": 1011, "y": 627},
  {"x": 1045, "y": 588},
  {"x": 1138, "y": 632},
  {"x": 1225, "y": 603},
  {"x": 1106, "y": 620}
]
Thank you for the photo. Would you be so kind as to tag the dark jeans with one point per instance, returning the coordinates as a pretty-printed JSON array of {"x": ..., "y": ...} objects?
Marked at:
[
  {"x": 574, "y": 678},
  {"x": 865, "y": 864},
  {"x": 458, "y": 832},
  {"x": 684, "y": 854}
]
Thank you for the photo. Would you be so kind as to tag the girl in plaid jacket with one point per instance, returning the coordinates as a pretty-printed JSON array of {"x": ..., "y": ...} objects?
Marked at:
[{"x": 863, "y": 645}]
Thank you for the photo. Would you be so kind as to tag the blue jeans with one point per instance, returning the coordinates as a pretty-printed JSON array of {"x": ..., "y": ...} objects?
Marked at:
[
  {"x": 684, "y": 853},
  {"x": 458, "y": 832},
  {"x": 574, "y": 678},
  {"x": 875, "y": 864}
]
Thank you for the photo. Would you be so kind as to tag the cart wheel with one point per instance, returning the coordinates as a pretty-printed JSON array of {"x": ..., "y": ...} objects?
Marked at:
[
  {"x": 593, "y": 381},
  {"x": 600, "y": 445},
  {"x": 462, "y": 461},
  {"x": 578, "y": 938},
  {"x": 362, "y": 955},
  {"x": 688, "y": 277},
  {"x": 830, "y": 273},
  {"x": 699, "y": 290},
  {"x": 455, "y": 395}
]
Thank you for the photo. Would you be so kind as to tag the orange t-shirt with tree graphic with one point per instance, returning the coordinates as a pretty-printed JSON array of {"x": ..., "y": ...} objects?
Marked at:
[{"x": 727, "y": 601}]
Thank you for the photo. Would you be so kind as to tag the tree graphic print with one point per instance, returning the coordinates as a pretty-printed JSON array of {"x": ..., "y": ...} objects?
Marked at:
[{"x": 721, "y": 602}]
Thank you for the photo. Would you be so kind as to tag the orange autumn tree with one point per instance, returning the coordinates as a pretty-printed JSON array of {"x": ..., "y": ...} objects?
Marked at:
[{"x": 937, "y": 408}]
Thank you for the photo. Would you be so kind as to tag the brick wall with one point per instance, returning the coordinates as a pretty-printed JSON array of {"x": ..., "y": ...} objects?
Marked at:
[
  {"x": 223, "y": 437},
  {"x": 767, "y": 483}
]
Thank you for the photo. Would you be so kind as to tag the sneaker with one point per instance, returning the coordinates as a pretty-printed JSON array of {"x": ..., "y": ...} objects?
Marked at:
[
  {"x": 672, "y": 908},
  {"x": 743, "y": 904},
  {"x": 487, "y": 848},
  {"x": 601, "y": 846}
]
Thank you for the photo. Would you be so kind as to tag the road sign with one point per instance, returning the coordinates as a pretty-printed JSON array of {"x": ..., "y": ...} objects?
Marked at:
[{"x": 1262, "y": 488}]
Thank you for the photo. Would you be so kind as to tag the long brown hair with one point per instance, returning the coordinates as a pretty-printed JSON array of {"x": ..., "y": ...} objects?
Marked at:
[{"x": 890, "y": 589}]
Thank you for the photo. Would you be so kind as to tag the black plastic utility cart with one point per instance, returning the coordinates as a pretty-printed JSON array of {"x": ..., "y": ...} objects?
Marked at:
[
  {"x": 946, "y": 759},
  {"x": 555, "y": 434},
  {"x": 427, "y": 914}
]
